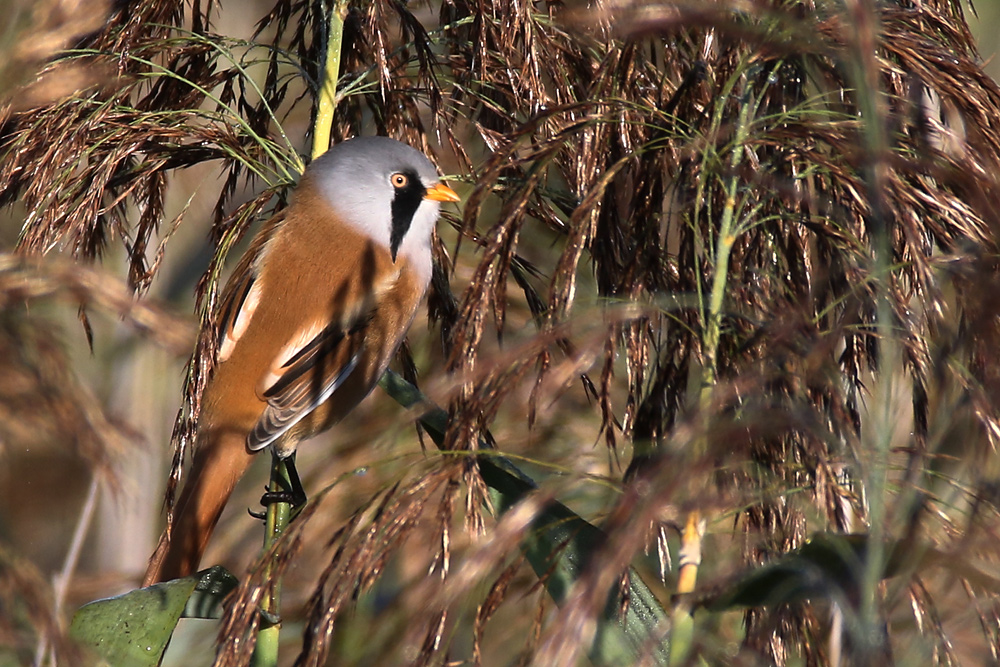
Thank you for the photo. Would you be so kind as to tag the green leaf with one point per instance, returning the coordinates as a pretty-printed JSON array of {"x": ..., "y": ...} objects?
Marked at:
[
  {"x": 134, "y": 628},
  {"x": 558, "y": 548},
  {"x": 827, "y": 566},
  {"x": 214, "y": 585}
]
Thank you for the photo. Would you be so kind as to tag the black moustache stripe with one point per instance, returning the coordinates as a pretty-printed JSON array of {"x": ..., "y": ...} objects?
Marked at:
[{"x": 404, "y": 206}]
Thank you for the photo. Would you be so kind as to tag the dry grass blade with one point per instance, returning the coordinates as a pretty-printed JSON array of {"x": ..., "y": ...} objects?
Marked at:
[
  {"x": 42, "y": 399},
  {"x": 34, "y": 34},
  {"x": 26, "y": 278},
  {"x": 356, "y": 557},
  {"x": 26, "y": 595}
]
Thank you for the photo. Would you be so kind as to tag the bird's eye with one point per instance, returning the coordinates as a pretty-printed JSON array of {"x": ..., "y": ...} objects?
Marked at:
[{"x": 399, "y": 180}]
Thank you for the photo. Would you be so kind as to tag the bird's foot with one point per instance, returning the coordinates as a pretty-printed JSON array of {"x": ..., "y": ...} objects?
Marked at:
[
  {"x": 296, "y": 498},
  {"x": 294, "y": 495}
]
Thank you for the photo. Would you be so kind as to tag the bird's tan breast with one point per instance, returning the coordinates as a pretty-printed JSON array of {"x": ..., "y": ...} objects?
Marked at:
[{"x": 311, "y": 272}]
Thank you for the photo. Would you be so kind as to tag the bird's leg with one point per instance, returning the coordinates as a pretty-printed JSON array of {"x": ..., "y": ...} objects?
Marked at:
[{"x": 294, "y": 495}]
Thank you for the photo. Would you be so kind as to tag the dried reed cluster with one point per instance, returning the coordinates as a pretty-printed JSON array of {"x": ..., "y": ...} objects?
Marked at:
[{"x": 756, "y": 242}]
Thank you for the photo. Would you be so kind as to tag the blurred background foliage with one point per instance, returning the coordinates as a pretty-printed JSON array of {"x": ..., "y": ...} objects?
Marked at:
[{"x": 728, "y": 261}]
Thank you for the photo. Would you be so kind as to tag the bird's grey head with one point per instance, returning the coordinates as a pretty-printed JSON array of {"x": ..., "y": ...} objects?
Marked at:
[{"x": 379, "y": 186}]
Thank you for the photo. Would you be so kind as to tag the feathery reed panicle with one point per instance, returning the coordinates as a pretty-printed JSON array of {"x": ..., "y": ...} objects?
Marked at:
[
  {"x": 628, "y": 146},
  {"x": 727, "y": 240}
]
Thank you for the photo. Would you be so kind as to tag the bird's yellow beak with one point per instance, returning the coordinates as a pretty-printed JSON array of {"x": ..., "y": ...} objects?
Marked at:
[{"x": 441, "y": 192}]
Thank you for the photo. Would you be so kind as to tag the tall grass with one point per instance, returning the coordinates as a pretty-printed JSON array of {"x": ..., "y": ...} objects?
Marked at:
[{"x": 733, "y": 262}]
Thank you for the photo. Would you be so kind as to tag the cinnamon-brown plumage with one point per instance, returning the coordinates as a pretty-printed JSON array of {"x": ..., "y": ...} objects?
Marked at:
[{"x": 307, "y": 324}]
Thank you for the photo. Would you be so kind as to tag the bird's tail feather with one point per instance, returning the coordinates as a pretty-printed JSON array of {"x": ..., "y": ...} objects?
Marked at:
[{"x": 220, "y": 460}]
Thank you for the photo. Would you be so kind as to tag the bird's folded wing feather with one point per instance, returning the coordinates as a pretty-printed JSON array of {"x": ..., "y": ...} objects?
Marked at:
[
  {"x": 238, "y": 306},
  {"x": 242, "y": 294},
  {"x": 306, "y": 374}
]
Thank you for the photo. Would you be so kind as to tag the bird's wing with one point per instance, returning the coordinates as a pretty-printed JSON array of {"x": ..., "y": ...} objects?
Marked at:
[
  {"x": 307, "y": 372},
  {"x": 238, "y": 305},
  {"x": 242, "y": 293}
]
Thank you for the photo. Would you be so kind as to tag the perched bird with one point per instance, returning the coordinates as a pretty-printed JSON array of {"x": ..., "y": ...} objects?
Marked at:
[{"x": 308, "y": 322}]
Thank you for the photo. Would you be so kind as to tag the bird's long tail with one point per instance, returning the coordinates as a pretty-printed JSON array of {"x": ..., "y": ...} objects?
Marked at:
[{"x": 220, "y": 460}]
